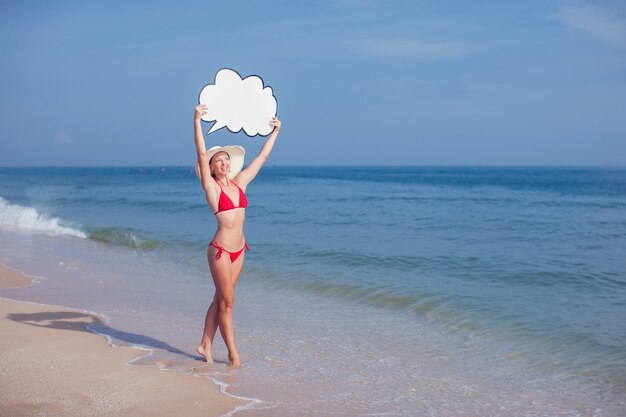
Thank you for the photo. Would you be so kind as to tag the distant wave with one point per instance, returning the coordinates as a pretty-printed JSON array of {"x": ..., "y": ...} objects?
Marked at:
[
  {"x": 124, "y": 237},
  {"x": 29, "y": 218}
]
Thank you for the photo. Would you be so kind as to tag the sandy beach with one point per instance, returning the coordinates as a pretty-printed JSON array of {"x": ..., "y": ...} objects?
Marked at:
[{"x": 51, "y": 365}]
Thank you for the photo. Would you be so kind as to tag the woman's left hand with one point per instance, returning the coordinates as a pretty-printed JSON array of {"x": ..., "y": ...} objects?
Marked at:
[{"x": 276, "y": 123}]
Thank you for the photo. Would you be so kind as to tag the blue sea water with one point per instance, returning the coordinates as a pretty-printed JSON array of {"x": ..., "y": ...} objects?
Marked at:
[{"x": 367, "y": 290}]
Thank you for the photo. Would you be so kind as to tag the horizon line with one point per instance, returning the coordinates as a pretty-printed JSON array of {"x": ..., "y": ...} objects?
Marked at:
[{"x": 151, "y": 166}]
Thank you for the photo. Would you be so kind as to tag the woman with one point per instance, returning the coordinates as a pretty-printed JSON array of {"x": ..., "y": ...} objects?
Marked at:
[{"x": 224, "y": 187}]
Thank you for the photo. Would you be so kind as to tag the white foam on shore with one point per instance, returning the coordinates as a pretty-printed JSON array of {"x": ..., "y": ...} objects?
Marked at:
[
  {"x": 252, "y": 402},
  {"x": 28, "y": 218}
]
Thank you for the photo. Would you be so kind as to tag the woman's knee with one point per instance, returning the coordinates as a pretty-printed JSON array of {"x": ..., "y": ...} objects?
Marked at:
[{"x": 226, "y": 302}]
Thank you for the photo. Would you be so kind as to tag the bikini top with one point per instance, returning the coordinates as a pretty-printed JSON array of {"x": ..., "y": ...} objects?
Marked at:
[{"x": 225, "y": 203}]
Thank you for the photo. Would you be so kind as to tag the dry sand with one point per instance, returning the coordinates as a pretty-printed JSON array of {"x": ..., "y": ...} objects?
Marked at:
[{"x": 51, "y": 365}]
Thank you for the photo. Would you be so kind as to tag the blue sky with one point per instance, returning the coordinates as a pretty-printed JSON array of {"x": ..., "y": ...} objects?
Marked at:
[{"x": 358, "y": 82}]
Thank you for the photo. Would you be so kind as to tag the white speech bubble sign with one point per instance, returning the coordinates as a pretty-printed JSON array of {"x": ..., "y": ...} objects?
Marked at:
[{"x": 239, "y": 103}]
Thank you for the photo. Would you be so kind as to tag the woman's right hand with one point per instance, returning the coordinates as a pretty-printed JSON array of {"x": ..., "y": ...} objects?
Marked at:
[{"x": 200, "y": 111}]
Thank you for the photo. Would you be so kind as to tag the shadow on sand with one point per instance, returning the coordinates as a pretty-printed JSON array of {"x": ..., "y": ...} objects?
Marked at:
[{"x": 77, "y": 321}]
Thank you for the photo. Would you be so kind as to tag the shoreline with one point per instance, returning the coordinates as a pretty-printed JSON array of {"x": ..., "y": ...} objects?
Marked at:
[{"x": 52, "y": 363}]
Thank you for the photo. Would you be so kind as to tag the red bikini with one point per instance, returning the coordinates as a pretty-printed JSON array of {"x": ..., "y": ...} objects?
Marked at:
[
  {"x": 225, "y": 204},
  {"x": 233, "y": 255}
]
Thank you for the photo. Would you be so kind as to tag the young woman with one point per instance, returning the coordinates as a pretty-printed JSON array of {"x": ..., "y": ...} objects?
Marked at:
[{"x": 224, "y": 184}]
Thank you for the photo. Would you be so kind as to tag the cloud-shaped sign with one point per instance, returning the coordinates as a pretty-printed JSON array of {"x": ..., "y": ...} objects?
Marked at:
[{"x": 238, "y": 103}]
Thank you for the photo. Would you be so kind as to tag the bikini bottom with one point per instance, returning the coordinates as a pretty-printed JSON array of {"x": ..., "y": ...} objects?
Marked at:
[{"x": 233, "y": 255}]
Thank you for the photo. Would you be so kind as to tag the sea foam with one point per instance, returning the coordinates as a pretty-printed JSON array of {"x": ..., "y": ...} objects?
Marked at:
[{"x": 29, "y": 218}]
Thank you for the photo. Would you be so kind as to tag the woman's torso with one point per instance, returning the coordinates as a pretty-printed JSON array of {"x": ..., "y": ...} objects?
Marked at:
[{"x": 230, "y": 211}]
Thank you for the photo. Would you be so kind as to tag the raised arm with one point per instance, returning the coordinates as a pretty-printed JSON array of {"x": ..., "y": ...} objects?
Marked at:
[
  {"x": 205, "y": 172},
  {"x": 248, "y": 174}
]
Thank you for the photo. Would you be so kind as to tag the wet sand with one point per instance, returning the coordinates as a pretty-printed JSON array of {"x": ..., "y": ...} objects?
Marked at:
[{"x": 52, "y": 365}]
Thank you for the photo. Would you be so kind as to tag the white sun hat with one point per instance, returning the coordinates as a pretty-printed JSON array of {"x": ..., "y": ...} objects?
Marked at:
[{"x": 236, "y": 154}]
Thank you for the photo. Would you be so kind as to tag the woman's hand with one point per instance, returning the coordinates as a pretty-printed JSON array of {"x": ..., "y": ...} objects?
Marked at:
[
  {"x": 200, "y": 111},
  {"x": 276, "y": 123}
]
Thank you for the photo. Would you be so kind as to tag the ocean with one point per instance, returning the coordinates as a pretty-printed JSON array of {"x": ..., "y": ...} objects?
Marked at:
[{"x": 367, "y": 291}]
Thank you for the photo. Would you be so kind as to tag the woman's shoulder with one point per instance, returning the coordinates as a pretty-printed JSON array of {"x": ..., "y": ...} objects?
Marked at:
[{"x": 240, "y": 181}]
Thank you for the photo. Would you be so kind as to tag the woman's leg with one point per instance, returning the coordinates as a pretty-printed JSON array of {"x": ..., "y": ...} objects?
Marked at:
[
  {"x": 210, "y": 327},
  {"x": 221, "y": 269},
  {"x": 211, "y": 318}
]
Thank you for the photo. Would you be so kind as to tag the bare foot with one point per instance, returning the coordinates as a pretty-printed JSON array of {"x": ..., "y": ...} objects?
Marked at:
[
  {"x": 205, "y": 352},
  {"x": 234, "y": 361}
]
